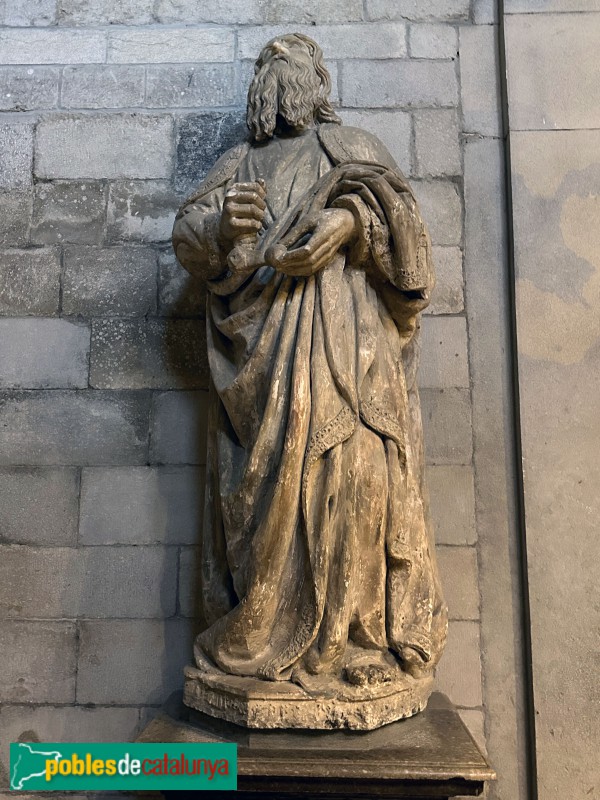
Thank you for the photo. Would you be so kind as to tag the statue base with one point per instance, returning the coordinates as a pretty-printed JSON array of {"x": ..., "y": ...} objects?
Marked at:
[
  {"x": 328, "y": 705},
  {"x": 429, "y": 756}
]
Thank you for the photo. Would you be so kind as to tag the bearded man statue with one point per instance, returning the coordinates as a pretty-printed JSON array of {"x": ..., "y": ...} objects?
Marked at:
[{"x": 320, "y": 590}]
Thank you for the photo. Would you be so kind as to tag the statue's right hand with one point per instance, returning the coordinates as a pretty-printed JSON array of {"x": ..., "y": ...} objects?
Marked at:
[{"x": 243, "y": 211}]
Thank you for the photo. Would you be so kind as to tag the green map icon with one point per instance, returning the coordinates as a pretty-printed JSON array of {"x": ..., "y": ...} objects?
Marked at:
[{"x": 29, "y": 761}]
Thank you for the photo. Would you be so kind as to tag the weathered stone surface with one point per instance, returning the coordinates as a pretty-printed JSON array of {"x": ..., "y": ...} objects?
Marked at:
[
  {"x": 141, "y": 505},
  {"x": 485, "y": 12},
  {"x": 444, "y": 353},
  {"x": 201, "y": 139},
  {"x": 105, "y": 86},
  {"x": 63, "y": 427},
  {"x": 544, "y": 96},
  {"x": 28, "y": 88},
  {"x": 39, "y": 506},
  {"x": 313, "y": 11},
  {"x": 418, "y": 9},
  {"x": 131, "y": 661},
  {"x": 29, "y": 281},
  {"x": 372, "y": 84},
  {"x": 392, "y": 127},
  {"x": 38, "y": 661},
  {"x": 428, "y": 40},
  {"x": 189, "y": 86},
  {"x": 243, "y": 12},
  {"x": 171, "y": 45},
  {"x": 447, "y": 297},
  {"x": 437, "y": 144},
  {"x": 141, "y": 211},
  {"x": 546, "y": 6},
  {"x": 190, "y": 583},
  {"x": 22, "y": 13},
  {"x": 475, "y": 722},
  {"x": 447, "y": 425},
  {"x": 452, "y": 500},
  {"x": 337, "y": 41},
  {"x": 110, "y": 281},
  {"x": 178, "y": 434},
  {"x": 43, "y": 354},
  {"x": 51, "y": 46},
  {"x": 105, "y": 12},
  {"x": 459, "y": 672},
  {"x": 87, "y": 581},
  {"x": 16, "y": 143},
  {"x": 179, "y": 294},
  {"x": 113, "y": 146},
  {"x": 68, "y": 211},
  {"x": 458, "y": 571},
  {"x": 15, "y": 217},
  {"x": 442, "y": 208},
  {"x": 149, "y": 354},
  {"x": 479, "y": 73}
]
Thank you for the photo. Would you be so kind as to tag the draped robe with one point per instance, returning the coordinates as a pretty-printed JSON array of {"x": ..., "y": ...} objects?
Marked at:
[{"x": 316, "y": 540}]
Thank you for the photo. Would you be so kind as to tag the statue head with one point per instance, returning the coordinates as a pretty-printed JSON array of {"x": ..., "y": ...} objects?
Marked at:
[{"x": 290, "y": 88}]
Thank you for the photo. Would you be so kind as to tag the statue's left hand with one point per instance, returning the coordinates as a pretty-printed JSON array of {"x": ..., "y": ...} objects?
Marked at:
[{"x": 335, "y": 228}]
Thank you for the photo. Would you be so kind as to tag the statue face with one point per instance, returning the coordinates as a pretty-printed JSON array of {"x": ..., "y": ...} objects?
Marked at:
[{"x": 290, "y": 87}]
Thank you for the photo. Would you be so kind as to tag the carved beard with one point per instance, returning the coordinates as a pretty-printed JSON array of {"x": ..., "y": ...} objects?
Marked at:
[{"x": 287, "y": 87}]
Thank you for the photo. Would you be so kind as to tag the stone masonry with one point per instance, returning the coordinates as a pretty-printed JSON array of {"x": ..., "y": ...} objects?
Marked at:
[{"x": 111, "y": 113}]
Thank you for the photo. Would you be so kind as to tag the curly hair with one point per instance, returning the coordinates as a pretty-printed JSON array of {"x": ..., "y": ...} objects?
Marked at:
[{"x": 290, "y": 81}]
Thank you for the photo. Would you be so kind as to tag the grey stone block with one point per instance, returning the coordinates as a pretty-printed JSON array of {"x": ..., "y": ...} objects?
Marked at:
[
  {"x": 437, "y": 142},
  {"x": 16, "y": 145},
  {"x": 189, "y": 583},
  {"x": 458, "y": 573},
  {"x": 447, "y": 426},
  {"x": 430, "y": 40},
  {"x": 28, "y": 88},
  {"x": 546, "y": 6},
  {"x": 394, "y": 128},
  {"x": 63, "y": 427},
  {"x": 149, "y": 354},
  {"x": 113, "y": 146},
  {"x": 132, "y": 661},
  {"x": 452, "y": 500},
  {"x": 373, "y": 84},
  {"x": 113, "y": 582},
  {"x": 556, "y": 55},
  {"x": 239, "y": 12},
  {"x": 172, "y": 86},
  {"x": 43, "y": 354},
  {"x": 485, "y": 12},
  {"x": 51, "y": 46},
  {"x": 170, "y": 45},
  {"x": 447, "y": 297},
  {"x": 37, "y": 661},
  {"x": 64, "y": 724},
  {"x": 110, "y": 281},
  {"x": 15, "y": 217},
  {"x": 105, "y": 12},
  {"x": 459, "y": 672},
  {"x": 313, "y": 11},
  {"x": 102, "y": 86},
  {"x": 141, "y": 505},
  {"x": 179, "y": 294},
  {"x": 142, "y": 211},
  {"x": 40, "y": 506},
  {"x": 370, "y": 40},
  {"x": 418, "y": 9},
  {"x": 29, "y": 281},
  {"x": 201, "y": 139},
  {"x": 479, "y": 74},
  {"x": 444, "y": 357},
  {"x": 23, "y": 13},
  {"x": 178, "y": 434},
  {"x": 68, "y": 211},
  {"x": 441, "y": 207}
]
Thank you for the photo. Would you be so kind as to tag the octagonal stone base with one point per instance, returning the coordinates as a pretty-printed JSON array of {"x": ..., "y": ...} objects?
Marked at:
[{"x": 256, "y": 703}]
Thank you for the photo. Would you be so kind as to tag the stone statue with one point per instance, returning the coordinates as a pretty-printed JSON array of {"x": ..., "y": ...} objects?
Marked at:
[{"x": 319, "y": 582}]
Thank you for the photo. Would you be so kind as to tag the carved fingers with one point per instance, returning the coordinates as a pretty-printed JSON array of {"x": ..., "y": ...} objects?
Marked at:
[{"x": 243, "y": 210}]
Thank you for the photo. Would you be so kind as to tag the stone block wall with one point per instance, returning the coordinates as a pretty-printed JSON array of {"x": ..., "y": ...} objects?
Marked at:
[{"x": 111, "y": 113}]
